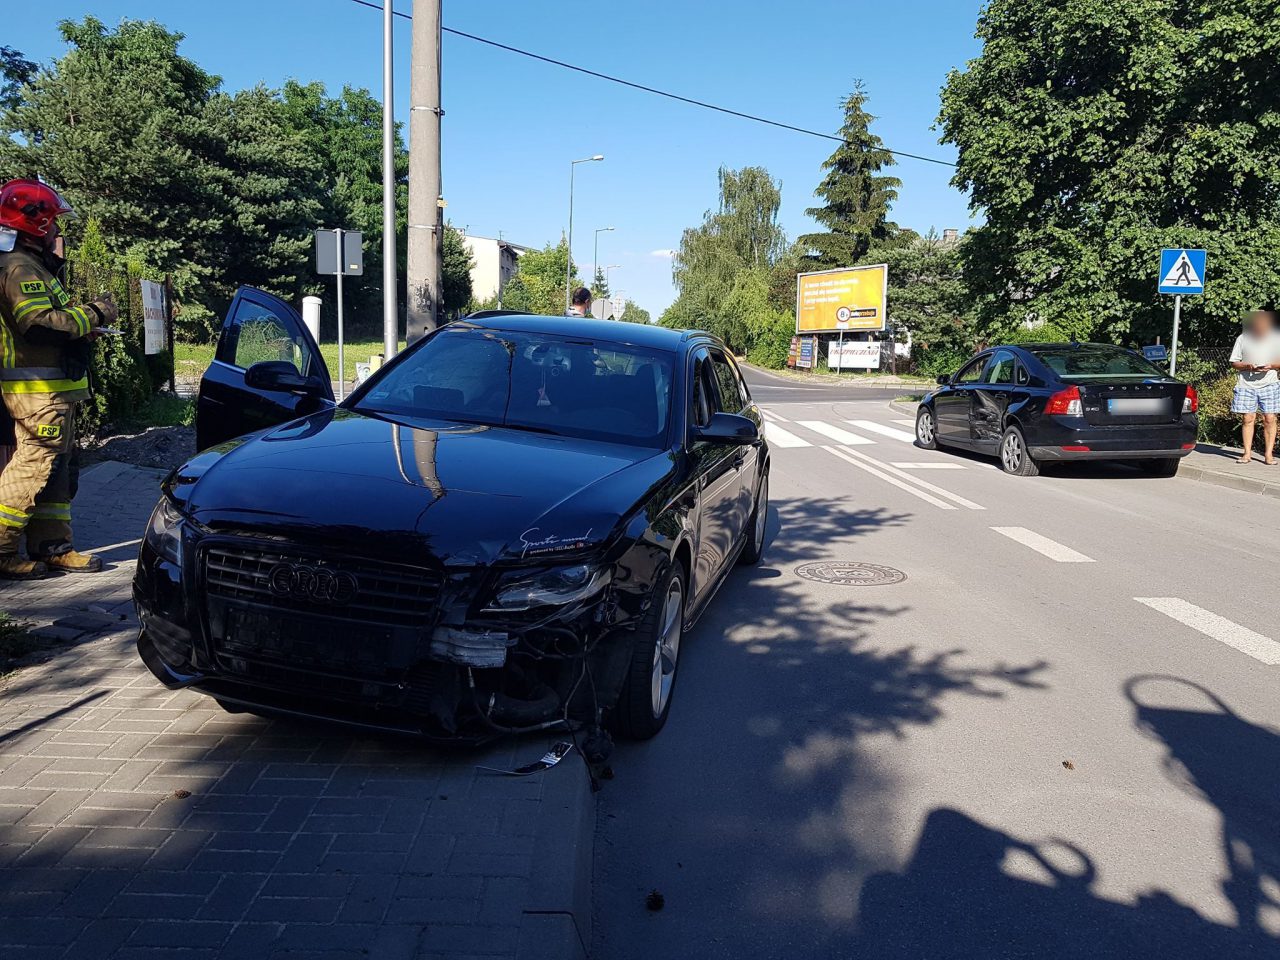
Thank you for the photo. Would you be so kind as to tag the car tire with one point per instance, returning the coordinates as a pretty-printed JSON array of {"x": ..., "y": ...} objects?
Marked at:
[
  {"x": 926, "y": 429},
  {"x": 1015, "y": 459},
  {"x": 1162, "y": 466},
  {"x": 655, "y": 655},
  {"x": 753, "y": 549}
]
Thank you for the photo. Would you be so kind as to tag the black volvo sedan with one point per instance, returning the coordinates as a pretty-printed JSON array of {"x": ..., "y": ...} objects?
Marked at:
[
  {"x": 1047, "y": 402},
  {"x": 507, "y": 528}
]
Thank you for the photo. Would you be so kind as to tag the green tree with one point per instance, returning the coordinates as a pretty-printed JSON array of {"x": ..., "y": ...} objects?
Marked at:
[
  {"x": 632, "y": 312},
  {"x": 927, "y": 292},
  {"x": 270, "y": 180},
  {"x": 600, "y": 285},
  {"x": 856, "y": 196},
  {"x": 741, "y": 236},
  {"x": 1093, "y": 133},
  {"x": 15, "y": 72},
  {"x": 539, "y": 286},
  {"x": 345, "y": 133},
  {"x": 119, "y": 123},
  {"x": 457, "y": 271}
]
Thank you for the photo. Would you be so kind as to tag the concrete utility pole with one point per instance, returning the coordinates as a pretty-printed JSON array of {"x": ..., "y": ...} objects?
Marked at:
[
  {"x": 425, "y": 279},
  {"x": 390, "y": 318}
]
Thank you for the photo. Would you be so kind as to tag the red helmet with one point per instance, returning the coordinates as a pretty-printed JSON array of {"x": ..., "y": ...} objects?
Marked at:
[{"x": 31, "y": 207}]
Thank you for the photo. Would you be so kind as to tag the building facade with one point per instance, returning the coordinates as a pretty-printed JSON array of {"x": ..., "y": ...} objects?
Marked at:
[{"x": 494, "y": 263}]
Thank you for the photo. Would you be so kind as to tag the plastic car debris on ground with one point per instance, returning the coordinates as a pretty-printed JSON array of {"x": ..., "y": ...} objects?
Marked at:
[{"x": 558, "y": 752}]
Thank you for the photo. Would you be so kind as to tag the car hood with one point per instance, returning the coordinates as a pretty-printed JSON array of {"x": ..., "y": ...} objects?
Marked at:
[{"x": 419, "y": 491}]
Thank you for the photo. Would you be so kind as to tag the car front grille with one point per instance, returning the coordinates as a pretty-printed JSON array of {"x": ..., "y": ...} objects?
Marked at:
[{"x": 366, "y": 592}]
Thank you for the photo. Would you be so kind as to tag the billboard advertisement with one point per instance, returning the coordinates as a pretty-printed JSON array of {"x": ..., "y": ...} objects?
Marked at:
[{"x": 851, "y": 298}]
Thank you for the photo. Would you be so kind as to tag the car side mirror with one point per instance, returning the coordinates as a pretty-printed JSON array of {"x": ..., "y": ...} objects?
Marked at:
[
  {"x": 728, "y": 428},
  {"x": 280, "y": 376},
  {"x": 944, "y": 379}
]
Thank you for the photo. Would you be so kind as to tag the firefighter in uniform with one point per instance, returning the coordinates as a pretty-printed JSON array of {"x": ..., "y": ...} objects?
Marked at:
[{"x": 44, "y": 374}]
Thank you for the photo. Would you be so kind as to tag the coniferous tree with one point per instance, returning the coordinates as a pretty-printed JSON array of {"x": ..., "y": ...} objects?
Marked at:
[{"x": 856, "y": 196}]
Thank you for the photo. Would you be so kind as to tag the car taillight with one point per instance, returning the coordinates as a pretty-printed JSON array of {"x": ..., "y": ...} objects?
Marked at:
[
  {"x": 1191, "y": 403},
  {"x": 1065, "y": 403}
]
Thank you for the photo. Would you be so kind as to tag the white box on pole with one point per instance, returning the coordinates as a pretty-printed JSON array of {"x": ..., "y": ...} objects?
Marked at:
[{"x": 311, "y": 316}]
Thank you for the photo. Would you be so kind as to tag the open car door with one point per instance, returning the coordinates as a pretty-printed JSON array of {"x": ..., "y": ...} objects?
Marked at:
[{"x": 267, "y": 370}]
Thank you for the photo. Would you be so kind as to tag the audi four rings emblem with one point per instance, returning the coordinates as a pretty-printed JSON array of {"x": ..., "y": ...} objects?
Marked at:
[{"x": 319, "y": 584}]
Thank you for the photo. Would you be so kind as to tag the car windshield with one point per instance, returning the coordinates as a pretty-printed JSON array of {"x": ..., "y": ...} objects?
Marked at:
[
  {"x": 1080, "y": 363},
  {"x": 568, "y": 387}
]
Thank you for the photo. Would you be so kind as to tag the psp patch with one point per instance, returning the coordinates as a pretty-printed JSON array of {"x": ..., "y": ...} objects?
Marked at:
[
  {"x": 33, "y": 286},
  {"x": 49, "y": 431}
]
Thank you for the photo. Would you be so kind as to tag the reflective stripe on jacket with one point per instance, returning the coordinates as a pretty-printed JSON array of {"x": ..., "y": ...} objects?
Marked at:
[{"x": 38, "y": 324}]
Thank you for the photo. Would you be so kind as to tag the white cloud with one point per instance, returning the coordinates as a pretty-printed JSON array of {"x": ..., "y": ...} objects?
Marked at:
[{"x": 665, "y": 254}]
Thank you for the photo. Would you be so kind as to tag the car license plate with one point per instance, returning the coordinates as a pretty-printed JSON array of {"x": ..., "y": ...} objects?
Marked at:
[
  {"x": 310, "y": 642},
  {"x": 1138, "y": 406}
]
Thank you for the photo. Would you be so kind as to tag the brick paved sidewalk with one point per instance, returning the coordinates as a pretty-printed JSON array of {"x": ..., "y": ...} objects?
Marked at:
[{"x": 138, "y": 822}]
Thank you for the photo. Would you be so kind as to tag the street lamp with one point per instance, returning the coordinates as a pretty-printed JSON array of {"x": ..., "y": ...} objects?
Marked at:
[
  {"x": 568, "y": 265},
  {"x": 595, "y": 256},
  {"x": 612, "y": 266}
]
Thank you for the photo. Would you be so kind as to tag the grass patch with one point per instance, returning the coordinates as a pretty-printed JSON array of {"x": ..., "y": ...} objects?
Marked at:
[
  {"x": 166, "y": 410},
  {"x": 16, "y": 639},
  {"x": 192, "y": 359}
]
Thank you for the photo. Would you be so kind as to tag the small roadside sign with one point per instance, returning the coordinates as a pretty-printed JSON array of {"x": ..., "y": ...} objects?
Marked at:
[
  {"x": 1182, "y": 271},
  {"x": 327, "y": 252},
  {"x": 1156, "y": 352}
]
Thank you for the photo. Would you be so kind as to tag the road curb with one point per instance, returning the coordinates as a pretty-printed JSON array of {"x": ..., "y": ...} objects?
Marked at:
[
  {"x": 1246, "y": 484},
  {"x": 907, "y": 410},
  {"x": 557, "y": 915}
]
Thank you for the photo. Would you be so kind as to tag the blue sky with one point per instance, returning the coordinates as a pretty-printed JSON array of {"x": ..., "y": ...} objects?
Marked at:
[{"x": 512, "y": 125}]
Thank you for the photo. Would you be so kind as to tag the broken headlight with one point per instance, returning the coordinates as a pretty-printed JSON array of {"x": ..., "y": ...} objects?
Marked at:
[
  {"x": 164, "y": 531},
  {"x": 548, "y": 588}
]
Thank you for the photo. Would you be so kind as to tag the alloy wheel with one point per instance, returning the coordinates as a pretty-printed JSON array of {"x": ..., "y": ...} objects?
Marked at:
[
  {"x": 1011, "y": 453},
  {"x": 666, "y": 651},
  {"x": 924, "y": 428}
]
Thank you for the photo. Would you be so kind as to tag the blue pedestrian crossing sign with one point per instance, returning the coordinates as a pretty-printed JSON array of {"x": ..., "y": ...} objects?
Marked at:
[{"x": 1182, "y": 271}]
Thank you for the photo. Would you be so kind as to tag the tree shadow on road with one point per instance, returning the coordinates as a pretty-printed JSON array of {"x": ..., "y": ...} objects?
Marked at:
[
  {"x": 972, "y": 890},
  {"x": 744, "y": 811}
]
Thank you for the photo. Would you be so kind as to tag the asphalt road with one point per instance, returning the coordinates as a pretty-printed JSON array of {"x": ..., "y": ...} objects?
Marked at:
[{"x": 1059, "y": 736}]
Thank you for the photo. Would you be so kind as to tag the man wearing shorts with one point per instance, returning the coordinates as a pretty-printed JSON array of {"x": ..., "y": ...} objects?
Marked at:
[{"x": 1257, "y": 358}]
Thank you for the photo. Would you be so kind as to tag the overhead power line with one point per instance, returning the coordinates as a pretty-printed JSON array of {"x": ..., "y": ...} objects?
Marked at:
[{"x": 654, "y": 90}]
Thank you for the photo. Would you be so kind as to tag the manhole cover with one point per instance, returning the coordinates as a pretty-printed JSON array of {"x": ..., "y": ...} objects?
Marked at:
[{"x": 849, "y": 573}]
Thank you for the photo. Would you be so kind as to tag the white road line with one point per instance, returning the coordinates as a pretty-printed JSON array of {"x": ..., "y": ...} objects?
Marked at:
[
  {"x": 770, "y": 415},
  {"x": 887, "y": 478},
  {"x": 115, "y": 546},
  {"x": 884, "y": 431},
  {"x": 1050, "y": 548},
  {"x": 905, "y": 422},
  {"x": 778, "y": 437},
  {"x": 1219, "y": 628},
  {"x": 938, "y": 465},
  {"x": 832, "y": 432},
  {"x": 956, "y": 498}
]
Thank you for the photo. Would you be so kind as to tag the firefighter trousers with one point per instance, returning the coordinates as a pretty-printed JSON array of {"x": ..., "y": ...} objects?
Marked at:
[{"x": 39, "y": 482}]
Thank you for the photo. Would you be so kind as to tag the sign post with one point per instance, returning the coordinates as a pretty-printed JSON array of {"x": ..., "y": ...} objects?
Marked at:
[
  {"x": 340, "y": 252},
  {"x": 1182, "y": 274}
]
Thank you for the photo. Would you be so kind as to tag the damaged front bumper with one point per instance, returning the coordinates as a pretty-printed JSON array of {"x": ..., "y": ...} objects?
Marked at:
[{"x": 437, "y": 665}]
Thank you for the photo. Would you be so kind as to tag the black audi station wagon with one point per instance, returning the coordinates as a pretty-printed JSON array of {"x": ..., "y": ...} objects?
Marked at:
[{"x": 507, "y": 528}]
